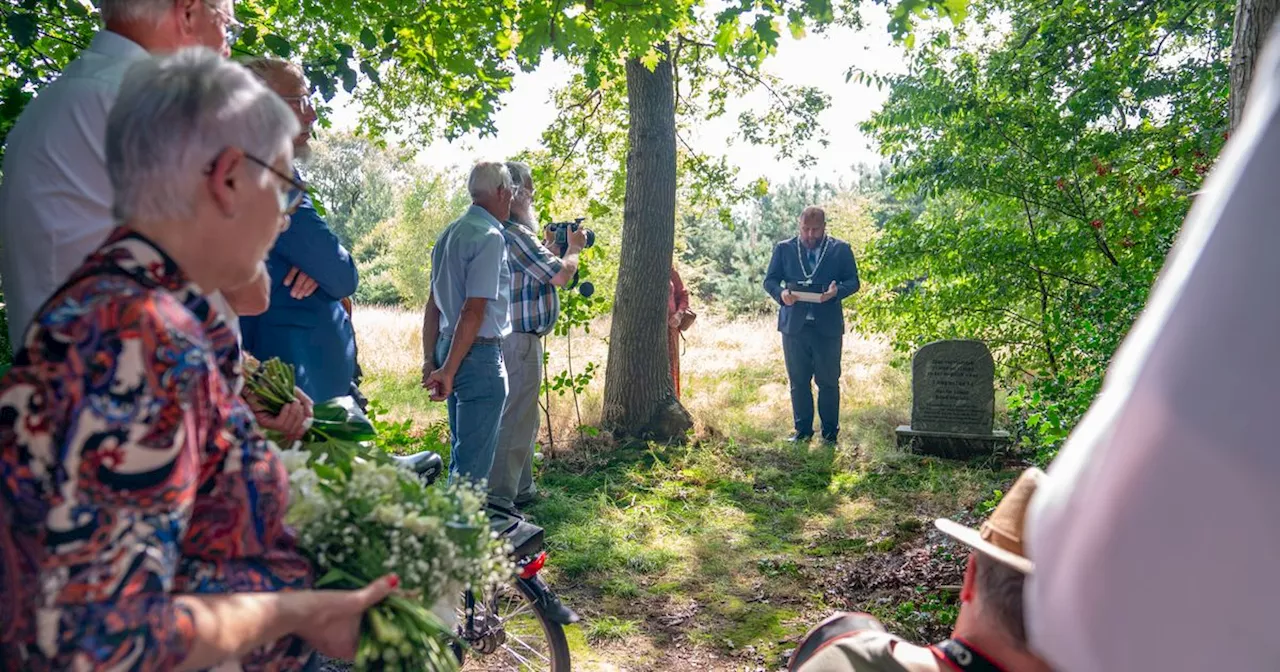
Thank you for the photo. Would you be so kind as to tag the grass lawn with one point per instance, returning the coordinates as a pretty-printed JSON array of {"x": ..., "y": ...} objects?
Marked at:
[
  {"x": 740, "y": 548},
  {"x": 720, "y": 554}
]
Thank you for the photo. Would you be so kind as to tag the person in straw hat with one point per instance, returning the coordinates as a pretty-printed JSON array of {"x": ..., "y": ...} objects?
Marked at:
[{"x": 989, "y": 634}]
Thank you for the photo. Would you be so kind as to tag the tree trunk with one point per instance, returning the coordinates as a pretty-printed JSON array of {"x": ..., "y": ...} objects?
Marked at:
[
  {"x": 1254, "y": 19},
  {"x": 639, "y": 396}
]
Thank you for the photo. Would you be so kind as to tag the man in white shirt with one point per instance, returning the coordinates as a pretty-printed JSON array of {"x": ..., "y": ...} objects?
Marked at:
[
  {"x": 55, "y": 199},
  {"x": 1156, "y": 537}
]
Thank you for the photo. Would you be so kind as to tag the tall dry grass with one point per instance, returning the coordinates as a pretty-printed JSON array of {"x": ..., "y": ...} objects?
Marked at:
[{"x": 734, "y": 381}]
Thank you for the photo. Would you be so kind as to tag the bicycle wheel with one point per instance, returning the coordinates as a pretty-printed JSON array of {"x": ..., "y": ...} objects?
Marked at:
[{"x": 511, "y": 634}]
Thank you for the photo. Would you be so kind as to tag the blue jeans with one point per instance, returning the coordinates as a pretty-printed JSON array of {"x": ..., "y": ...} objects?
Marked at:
[{"x": 475, "y": 408}]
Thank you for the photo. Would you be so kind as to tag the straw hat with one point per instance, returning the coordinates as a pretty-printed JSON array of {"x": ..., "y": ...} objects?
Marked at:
[{"x": 1000, "y": 536}]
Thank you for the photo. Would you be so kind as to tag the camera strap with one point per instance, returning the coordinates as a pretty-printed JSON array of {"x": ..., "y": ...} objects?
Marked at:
[{"x": 963, "y": 657}]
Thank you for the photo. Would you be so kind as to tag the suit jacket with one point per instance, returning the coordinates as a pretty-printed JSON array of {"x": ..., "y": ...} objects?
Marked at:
[
  {"x": 313, "y": 334},
  {"x": 837, "y": 266}
]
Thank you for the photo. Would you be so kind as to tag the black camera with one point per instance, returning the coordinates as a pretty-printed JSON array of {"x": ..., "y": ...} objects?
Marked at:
[
  {"x": 561, "y": 232},
  {"x": 562, "y": 229}
]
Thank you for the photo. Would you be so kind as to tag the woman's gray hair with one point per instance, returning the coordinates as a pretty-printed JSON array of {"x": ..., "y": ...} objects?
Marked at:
[
  {"x": 487, "y": 177},
  {"x": 174, "y": 115}
]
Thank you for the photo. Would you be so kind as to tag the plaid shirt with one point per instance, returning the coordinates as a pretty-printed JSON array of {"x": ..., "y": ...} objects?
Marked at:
[{"x": 534, "y": 302}]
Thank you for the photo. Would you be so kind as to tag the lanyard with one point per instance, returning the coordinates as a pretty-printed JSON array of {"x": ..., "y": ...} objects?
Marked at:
[
  {"x": 964, "y": 658},
  {"x": 822, "y": 253}
]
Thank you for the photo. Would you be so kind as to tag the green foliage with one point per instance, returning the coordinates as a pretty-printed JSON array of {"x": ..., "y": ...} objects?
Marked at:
[
  {"x": 734, "y": 528},
  {"x": 731, "y": 259},
  {"x": 418, "y": 68},
  {"x": 360, "y": 184},
  {"x": 1057, "y": 159},
  {"x": 357, "y": 182},
  {"x": 402, "y": 438},
  {"x": 566, "y": 382},
  {"x": 905, "y": 14},
  {"x": 987, "y": 506},
  {"x": 377, "y": 286},
  {"x": 930, "y": 608},
  {"x": 608, "y": 628},
  {"x": 428, "y": 205},
  {"x": 421, "y": 69}
]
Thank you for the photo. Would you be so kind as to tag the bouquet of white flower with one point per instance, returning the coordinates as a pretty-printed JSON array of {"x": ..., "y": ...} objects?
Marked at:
[{"x": 367, "y": 519}]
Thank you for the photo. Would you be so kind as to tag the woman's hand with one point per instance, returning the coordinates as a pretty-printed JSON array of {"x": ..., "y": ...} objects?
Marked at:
[
  {"x": 308, "y": 406},
  {"x": 229, "y": 626},
  {"x": 293, "y": 420},
  {"x": 674, "y": 320},
  {"x": 332, "y": 624}
]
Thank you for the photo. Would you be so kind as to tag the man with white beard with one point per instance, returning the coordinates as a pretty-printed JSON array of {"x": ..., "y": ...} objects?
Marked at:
[{"x": 536, "y": 272}]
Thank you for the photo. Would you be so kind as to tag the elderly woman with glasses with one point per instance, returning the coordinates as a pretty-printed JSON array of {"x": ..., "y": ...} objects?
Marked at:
[{"x": 141, "y": 510}]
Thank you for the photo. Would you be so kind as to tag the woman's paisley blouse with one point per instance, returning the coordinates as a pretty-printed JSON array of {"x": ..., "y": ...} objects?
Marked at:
[{"x": 130, "y": 472}]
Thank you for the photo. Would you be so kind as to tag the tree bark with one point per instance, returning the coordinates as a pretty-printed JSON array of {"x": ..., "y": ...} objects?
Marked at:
[
  {"x": 1253, "y": 22},
  {"x": 639, "y": 396}
]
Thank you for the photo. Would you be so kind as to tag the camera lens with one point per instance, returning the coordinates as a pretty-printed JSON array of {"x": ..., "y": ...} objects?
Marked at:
[{"x": 586, "y": 289}]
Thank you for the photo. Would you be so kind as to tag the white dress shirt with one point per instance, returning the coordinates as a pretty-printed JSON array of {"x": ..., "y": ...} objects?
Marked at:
[
  {"x": 1156, "y": 537},
  {"x": 55, "y": 198}
]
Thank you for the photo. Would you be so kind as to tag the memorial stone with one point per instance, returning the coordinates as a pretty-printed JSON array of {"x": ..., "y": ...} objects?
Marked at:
[{"x": 952, "y": 401}]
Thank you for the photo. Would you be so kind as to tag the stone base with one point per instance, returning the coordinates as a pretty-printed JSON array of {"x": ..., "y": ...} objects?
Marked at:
[{"x": 952, "y": 446}]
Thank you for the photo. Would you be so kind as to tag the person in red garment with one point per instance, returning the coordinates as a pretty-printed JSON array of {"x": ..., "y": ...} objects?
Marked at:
[{"x": 677, "y": 309}]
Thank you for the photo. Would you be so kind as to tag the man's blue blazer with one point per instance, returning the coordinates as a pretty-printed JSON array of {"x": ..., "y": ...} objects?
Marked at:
[
  {"x": 313, "y": 334},
  {"x": 837, "y": 266}
]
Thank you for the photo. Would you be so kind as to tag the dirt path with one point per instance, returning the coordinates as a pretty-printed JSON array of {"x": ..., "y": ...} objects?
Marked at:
[{"x": 914, "y": 588}]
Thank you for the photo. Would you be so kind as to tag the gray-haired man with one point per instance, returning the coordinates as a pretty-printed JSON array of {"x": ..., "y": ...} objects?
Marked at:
[
  {"x": 311, "y": 273},
  {"x": 466, "y": 319},
  {"x": 55, "y": 200}
]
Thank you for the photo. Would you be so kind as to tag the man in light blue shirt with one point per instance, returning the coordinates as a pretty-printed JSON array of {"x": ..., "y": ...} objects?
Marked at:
[{"x": 466, "y": 320}]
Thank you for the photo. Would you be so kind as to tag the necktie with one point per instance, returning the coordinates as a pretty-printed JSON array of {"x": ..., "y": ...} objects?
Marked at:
[{"x": 812, "y": 256}]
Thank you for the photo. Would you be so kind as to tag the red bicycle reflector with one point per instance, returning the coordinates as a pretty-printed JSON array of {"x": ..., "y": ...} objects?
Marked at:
[{"x": 535, "y": 565}]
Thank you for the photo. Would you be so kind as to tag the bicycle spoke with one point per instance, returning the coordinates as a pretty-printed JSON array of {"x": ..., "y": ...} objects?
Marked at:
[
  {"x": 521, "y": 659},
  {"x": 524, "y": 608},
  {"x": 526, "y": 645}
]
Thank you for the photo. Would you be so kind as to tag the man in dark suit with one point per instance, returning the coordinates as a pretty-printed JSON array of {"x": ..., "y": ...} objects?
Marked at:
[
  {"x": 311, "y": 273},
  {"x": 809, "y": 276}
]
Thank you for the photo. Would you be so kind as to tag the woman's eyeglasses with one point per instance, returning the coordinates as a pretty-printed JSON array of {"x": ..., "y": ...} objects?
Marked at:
[{"x": 289, "y": 199}]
